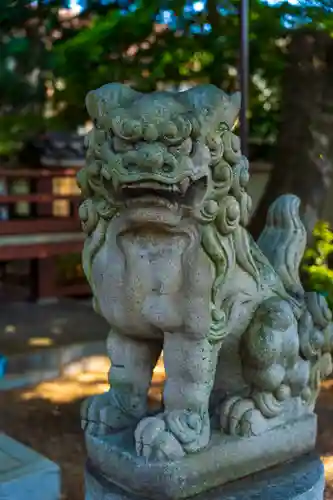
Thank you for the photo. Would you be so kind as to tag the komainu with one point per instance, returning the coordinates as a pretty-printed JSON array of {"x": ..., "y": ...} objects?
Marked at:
[{"x": 172, "y": 268}]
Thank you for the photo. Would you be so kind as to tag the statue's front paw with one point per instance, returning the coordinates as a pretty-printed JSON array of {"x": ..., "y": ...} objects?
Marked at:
[
  {"x": 171, "y": 435},
  {"x": 90, "y": 414},
  {"x": 239, "y": 417},
  {"x": 154, "y": 442},
  {"x": 103, "y": 414}
]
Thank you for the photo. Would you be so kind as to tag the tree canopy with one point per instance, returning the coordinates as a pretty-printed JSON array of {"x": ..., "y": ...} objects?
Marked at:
[
  {"x": 25, "y": 62},
  {"x": 51, "y": 57}
]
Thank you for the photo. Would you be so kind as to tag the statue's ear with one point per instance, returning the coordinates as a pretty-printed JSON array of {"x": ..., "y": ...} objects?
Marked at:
[
  {"x": 111, "y": 96},
  {"x": 218, "y": 105},
  {"x": 94, "y": 104}
]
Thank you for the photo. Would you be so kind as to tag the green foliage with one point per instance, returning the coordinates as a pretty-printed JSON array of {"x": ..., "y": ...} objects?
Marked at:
[
  {"x": 97, "y": 55},
  {"x": 317, "y": 273},
  {"x": 45, "y": 57},
  {"x": 25, "y": 44},
  {"x": 196, "y": 47}
]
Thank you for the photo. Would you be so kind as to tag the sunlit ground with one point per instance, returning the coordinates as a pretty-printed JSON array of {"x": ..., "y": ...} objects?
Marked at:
[
  {"x": 326, "y": 404},
  {"x": 46, "y": 418},
  {"x": 40, "y": 342},
  {"x": 77, "y": 384},
  {"x": 328, "y": 463}
]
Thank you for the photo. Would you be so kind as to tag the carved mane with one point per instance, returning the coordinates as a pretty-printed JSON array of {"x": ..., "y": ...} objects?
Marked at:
[
  {"x": 225, "y": 216},
  {"x": 169, "y": 124}
]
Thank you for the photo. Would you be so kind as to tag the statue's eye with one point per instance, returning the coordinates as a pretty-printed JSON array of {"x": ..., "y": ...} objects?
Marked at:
[
  {"x": 167, "y": 168},
  {"x": 222, "y": 127}
]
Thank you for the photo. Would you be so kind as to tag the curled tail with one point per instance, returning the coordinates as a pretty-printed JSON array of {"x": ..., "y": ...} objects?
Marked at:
[{"x": 283, "y": 241}]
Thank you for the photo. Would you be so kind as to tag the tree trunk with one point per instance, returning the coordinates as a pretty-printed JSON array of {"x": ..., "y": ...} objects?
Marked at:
[{"x": 304, "y": 154}]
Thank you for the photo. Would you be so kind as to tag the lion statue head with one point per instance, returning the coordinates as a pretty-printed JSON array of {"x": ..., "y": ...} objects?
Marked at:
[
  {"x": 165, "y": 156},
  {"x": 171, "y": 150}
]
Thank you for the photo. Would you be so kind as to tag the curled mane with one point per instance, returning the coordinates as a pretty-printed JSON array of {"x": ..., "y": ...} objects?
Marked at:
[{"x": 225, "y": 216}]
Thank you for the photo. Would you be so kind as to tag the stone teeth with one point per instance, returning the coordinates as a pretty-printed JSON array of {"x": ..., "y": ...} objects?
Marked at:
[
  {"x": 115, "y": 183},
  {"x": 106, "y": 174},
  {"x": 153, "y": 185},
  {"x": 184, "y": 185}
]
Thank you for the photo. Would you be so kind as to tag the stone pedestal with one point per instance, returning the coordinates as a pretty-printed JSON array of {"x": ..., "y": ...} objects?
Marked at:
[
  {"x": 25, "y": 474},
  {"x": 302, "y": 479},
  {"x": 226, "y": 459}
]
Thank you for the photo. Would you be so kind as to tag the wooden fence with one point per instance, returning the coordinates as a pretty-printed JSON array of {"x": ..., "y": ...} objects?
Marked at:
[{"x": 39, "y": 222}]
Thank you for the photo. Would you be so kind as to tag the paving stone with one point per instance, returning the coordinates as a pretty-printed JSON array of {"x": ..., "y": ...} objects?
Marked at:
[{"x": 25, "y": 474}]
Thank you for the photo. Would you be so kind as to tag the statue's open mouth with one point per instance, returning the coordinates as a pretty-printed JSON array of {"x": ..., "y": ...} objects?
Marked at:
[{"x": 187, "y": 193}]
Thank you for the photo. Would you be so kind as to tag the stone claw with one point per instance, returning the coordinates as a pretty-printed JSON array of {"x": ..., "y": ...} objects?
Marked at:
[
  {"x": 239, "y": 417},
  {"x": 171, "y": 435},
  {"x": 154, "y": 442},
  {"x": 90, "y": 414},
  {"x": 101, "y": 416}
]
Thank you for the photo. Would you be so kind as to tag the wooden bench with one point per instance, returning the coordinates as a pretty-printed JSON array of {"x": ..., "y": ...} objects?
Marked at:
[{"x": 41, "y": 233}]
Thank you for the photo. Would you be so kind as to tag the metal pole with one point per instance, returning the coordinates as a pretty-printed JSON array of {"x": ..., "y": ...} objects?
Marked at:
[{"x": 244, "y": 73}]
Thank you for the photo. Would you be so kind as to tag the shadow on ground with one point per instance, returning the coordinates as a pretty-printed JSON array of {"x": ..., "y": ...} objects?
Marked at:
[
  {"x": 26, "y": 326},
  {"x": 46, "y": 418}
]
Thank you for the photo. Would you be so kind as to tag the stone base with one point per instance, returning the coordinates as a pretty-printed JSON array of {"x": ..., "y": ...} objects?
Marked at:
[
  {"x": 302, "y": 479},
  {"x": 25, "y": 474},
  {"x": 227, "y": 458}
]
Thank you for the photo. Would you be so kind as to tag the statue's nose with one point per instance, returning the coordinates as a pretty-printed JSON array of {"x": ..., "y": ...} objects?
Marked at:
[
  {"x": 151, "y": 160},
  {"x": 148, "y": 160}
]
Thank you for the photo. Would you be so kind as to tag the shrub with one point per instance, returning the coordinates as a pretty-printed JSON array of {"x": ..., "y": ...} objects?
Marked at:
[{"x": 316, "y": 271}]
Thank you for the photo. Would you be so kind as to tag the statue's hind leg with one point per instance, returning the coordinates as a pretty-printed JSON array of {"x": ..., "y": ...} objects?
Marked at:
[
  {"x": 272, "y": 369},
  {"x": 132, "y": 365}
]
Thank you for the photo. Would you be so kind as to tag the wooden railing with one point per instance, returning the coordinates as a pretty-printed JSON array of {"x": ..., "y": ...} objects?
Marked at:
[
  {"x": 34, "y": 227},
  {"x": 40, "y": 199}
]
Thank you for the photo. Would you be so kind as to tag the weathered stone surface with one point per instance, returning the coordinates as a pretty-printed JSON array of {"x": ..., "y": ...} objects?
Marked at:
[
  {"x": 25, "y": 474},
  {"x": 302, "y": 479},
  {"x": 224, "y": 460},
  {"x": 173, "y": 268}
]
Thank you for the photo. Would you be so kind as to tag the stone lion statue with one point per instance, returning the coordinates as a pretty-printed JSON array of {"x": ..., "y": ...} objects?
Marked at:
[{"x": 172, "y": 268}]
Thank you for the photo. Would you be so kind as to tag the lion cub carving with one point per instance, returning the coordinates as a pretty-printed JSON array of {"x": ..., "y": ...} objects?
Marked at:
[{"x": 172, "y": 268}]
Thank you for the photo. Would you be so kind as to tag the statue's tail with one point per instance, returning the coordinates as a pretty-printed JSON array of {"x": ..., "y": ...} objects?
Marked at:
[{"x": 283, "y": 241}]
